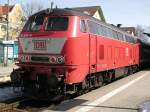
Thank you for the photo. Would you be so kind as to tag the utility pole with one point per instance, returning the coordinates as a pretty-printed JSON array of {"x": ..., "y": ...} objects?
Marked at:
[{"x": 7, "y": 36}]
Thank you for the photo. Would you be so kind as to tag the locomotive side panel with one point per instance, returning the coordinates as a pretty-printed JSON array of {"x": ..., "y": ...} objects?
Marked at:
[{"x": 115, "y": 54}]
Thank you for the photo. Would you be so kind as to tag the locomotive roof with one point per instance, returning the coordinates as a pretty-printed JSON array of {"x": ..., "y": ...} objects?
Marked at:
[
  {"x": 60, "y": 12},
  {"x": 71, "y": 12}
]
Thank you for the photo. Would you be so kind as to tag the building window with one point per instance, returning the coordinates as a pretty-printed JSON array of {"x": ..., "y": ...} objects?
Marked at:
[{"x": 3, "y": 28}]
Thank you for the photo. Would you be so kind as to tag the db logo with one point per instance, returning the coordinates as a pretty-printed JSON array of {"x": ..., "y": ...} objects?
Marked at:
[{"x": 39, "y": 44}]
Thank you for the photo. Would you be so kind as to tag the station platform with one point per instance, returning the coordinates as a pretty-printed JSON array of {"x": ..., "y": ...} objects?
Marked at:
[
  {"x": 5, "y": 72},
  {"x": 124, "y": 95}
]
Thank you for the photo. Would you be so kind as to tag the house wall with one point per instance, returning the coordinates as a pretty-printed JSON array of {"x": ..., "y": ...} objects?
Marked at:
[
  {"x": 16, "y": 17},
  {"x": 97, "y": 16},
  {"x": 2, "y": 30}
]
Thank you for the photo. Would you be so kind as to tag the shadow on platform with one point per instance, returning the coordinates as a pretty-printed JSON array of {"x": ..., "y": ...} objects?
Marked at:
[{"x": 66, "y": 105}]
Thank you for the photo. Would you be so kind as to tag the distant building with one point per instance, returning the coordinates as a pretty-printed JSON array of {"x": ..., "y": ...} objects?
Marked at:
[
  {"x": 94, "y": 11},
  {"x": 3, "y": 25},
  {"x": 130, "y": 30},
  {"x": 12, "y": 50},
  {"x": 15, "y": 19},
  {"x": 136, "y": 31}
]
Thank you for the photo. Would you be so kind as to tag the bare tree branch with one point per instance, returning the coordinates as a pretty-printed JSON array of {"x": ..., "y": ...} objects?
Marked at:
[{"x": 31, "y": 8}]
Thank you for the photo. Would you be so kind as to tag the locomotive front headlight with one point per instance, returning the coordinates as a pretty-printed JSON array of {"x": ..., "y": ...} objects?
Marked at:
[
  {"x": 27, "y": 58},
  {"x": 52, "y": 60},
  {"x": 60, "y": 60}
]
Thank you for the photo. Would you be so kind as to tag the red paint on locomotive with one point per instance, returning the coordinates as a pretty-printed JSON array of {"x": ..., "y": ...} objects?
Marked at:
[{"x": 72, "y": 51}]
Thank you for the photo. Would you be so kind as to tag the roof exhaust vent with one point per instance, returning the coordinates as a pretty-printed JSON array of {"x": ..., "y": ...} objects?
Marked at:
[
  {"x": 119, "y": 25},
  {"x": 50, "y": 10}
]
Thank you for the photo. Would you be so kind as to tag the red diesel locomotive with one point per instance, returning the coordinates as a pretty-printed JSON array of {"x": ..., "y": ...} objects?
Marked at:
[{"x": 63, "y": 51}]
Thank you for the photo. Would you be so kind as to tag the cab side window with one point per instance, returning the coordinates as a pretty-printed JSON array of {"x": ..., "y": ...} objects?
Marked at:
[{"x": 82, "y": 26}]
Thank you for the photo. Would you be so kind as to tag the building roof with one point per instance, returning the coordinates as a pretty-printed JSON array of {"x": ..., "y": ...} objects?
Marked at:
[
  {"x": 90, "y": 11},
  {"x": 131, "y": 30},
  {"x": 5, "y": 9}
]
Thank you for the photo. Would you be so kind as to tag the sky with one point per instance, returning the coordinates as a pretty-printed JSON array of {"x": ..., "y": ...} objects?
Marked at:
[{"x": 126, "y": 12}]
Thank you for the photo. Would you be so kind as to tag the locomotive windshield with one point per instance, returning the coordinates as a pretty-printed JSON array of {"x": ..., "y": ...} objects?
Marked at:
[
  {"x": 57, "y": 24},
  {"x": 34, "y": 24}
]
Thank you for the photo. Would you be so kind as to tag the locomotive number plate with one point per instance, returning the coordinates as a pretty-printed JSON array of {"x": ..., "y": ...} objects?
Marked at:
[{"x": 39, "y": 44}]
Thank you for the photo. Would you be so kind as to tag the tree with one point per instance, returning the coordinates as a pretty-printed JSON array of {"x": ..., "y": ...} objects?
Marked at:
[
  {"x": 139, "y": 30},
  {"x": 31, "y": 8}
]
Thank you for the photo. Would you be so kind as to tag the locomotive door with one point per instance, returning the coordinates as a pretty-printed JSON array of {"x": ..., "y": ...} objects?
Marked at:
[{"x": 92, "y": 53}]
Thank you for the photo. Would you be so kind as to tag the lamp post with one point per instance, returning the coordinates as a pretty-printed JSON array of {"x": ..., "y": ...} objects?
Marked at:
[
  {"x": 7, "y": 36},
  {"x": 7, "y": 20}
]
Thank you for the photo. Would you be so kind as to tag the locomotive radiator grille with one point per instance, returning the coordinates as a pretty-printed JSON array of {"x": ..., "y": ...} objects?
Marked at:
[
  {"x": 39, "y": 59},
  {"x": 42, "y": 59}
]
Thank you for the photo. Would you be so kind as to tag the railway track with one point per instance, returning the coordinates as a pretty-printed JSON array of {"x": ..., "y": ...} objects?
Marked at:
[
  {"x": 8, "y": 98},
  {"x": 5, "y": 84},
  {"x": 25, "y": 105},
  {"x": 9, "y": 106},
  {"x": 22, "y": 104},
  {"x": 15, "y": 102}
]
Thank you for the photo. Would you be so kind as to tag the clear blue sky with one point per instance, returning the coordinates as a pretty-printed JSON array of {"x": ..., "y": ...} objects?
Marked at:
[{"x": 127, "y": 12}]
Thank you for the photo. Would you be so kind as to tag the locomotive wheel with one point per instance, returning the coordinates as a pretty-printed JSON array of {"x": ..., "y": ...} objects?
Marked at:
[
  {"x": 107, "y": 77},
  {"x": 130, "y": 70},
  {"x": 84, "y": 85},
  {"x": 136, "y": 69},
  {"x": 113, "y": 78},
  {"x": 99, "y": 80}
]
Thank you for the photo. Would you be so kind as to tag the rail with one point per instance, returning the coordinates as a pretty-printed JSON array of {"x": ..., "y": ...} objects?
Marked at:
[
  {"x": 12, "y": 107},
  {"x": 9, "y": 108}
]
